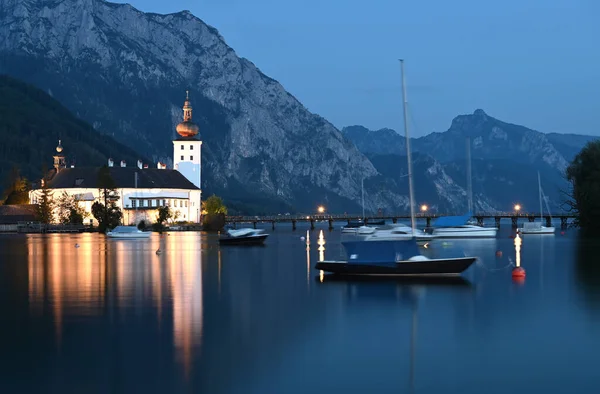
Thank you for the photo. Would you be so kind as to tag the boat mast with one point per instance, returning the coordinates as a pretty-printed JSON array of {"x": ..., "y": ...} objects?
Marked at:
[
  {"x": 540, "y": 192},
  {"x": 362, "y": 187},
  {"x": 408, "y": 154},
  {"x": 469, "y": 180}
]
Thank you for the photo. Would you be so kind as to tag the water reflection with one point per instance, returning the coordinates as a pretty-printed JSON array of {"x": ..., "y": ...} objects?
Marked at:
[{"x": 119, "y": 275}]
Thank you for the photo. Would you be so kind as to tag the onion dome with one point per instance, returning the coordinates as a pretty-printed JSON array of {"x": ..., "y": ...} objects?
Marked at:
[
  {"x": 59, "y": 148},
  {"x": 187, "y": 128}
]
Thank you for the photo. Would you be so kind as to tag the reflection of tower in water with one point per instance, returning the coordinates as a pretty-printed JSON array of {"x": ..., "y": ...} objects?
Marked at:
[{"x": 184, "y": 260}]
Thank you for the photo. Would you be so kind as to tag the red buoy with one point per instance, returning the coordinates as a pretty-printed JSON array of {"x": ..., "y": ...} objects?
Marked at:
[
  {"x": 498, "y": 253},
  {"x": 562, "y": 233},
  {"x": 518, "y": 272}
]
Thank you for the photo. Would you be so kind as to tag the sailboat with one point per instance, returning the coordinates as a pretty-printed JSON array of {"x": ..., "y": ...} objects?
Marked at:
[
  {"x": 461, "y": 226},
  {"x": 395, "y": 257},
  {"x": 537, "y": 227}
]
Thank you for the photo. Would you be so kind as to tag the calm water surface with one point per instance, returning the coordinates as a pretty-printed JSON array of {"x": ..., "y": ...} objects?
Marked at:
[{"x": 112, "y": 316}]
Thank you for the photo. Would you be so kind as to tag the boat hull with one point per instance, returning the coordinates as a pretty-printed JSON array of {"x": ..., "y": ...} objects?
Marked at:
[
  {"x": 129, "y": 236},
  {"x": 542, "y": 230},
  {"x": 464, "y": 233},
  {"x": 251, "y": 240},
  {"x": 432, "y": 267}
]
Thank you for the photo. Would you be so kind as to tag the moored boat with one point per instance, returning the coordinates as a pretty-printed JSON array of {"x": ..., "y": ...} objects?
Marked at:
[
  {"x": 459, "y": 227},
  {"x": 127, "y": 232},
  {"x": 392, "y": 258},
  {"x": 244, "y": 236}
]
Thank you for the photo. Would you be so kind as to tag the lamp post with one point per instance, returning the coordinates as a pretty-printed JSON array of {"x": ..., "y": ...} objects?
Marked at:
[
  {"x": 517, "y": 208},
  {"x": 321, "y": 209},
  {"x": 424, "y": 208}
]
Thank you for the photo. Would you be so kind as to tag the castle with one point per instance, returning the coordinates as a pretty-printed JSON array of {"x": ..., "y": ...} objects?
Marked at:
[{"x": 141, "y": 190}]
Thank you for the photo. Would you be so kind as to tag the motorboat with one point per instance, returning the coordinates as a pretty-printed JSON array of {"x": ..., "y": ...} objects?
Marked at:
[
  {"x": 459, "y": 227},
  {"x": 398, "y": 257},
  {"x": 128, "y": 232},
  {"x": 397, "y": 231},
  {"x": 537, "y": 227},
  {"x": 243, "y": 236}
]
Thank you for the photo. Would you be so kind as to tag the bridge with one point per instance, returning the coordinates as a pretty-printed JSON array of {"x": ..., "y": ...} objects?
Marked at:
[{"x": 514, "y": 217}]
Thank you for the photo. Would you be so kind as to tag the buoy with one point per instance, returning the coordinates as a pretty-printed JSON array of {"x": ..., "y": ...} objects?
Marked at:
[
  {"x": 498, "y": 253},
  {"x": 302, "y": 239},
  {"x": 518, "y": 272},
  {"x": 562, "y": 233},
  {"x": 76, "y": 245}
]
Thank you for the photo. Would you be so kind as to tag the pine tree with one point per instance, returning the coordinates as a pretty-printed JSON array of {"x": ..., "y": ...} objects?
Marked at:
[
  {"x": 106, "y": 211},
  {"x": 45, "y": 204}
]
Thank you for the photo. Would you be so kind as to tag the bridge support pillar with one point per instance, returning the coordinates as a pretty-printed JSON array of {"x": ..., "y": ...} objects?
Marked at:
[
  {"x": 234, "y": 225},
  {"x": 330, "y": 224},
  {"x": 480, "y": 220},
  {"x": 497, "y": 219},
  {"x": 293, "y": 225},
  {"x": 348, "y": 222},
  {"x": 563, "y": 223},
  {"x": 254, "y": 224},
  {"x": 531, "y": 219},
  {"x": 312, "y": 224},
  {"x": 515, "y": 221},
  {"x": 273, "y": 224},
  {"x": 428, "y": 221},
  {"x": 549, "y": 221},
  {"x": 394, "y": 220}
]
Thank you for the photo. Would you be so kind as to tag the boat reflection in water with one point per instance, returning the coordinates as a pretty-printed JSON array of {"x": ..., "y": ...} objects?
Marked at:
[{"x": 87, "y": 276}]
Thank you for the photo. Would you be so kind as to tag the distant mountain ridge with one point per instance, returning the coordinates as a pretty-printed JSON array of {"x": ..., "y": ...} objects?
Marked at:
[{"x": 505, "y": 158}]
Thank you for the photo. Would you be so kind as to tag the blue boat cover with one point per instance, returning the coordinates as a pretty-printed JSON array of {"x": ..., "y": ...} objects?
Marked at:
[
  {"x": 380, "y": 252},
  {"x": 452, "y": 221}
]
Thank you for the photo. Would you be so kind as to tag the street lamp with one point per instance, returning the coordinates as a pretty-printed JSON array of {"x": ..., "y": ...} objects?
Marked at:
[
  {"x": 424, "y": 208},
  {"x": 321, "y": 209},
  {"x": 517, "y": 207}
]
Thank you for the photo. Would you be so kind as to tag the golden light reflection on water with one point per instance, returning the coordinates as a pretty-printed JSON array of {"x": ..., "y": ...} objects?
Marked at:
[
  {"x": 518, "y": 242},
  {"x": 82, "y": 280},
  {"x": 321, "y": 243}
]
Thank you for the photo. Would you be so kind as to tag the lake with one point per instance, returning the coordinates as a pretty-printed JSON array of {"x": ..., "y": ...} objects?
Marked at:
[{"x": 112, "y": 316}]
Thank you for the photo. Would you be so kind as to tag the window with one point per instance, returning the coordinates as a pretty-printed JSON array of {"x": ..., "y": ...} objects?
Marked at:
[
  {"x": 182, "y": 147},
  {"x": 181, "y": 157},
  {"x": 164, "y": 202},
  {"x": 191, "y": 147},
  {"x": 133, "y": 203},
  {"x": 186, "y": 203},
  {"x": 191, "y": 157},
  {"x": 158, "y": 203}
]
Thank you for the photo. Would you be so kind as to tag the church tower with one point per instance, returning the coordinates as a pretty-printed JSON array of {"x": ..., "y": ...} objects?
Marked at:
[
  {"x": 187, "y": 154},
  {"x": 59, "y": 158}
]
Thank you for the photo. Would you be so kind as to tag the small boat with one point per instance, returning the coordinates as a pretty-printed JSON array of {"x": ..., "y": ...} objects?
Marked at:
[
  {"x": 537, "y": 227},
  {"x": 397, "y": 231},
  {"x": 459, "y": 227},
  {"x": 127, "y": 232},
  {"x": 243, "y": 236},
  {"x": 392, "y": 258}
]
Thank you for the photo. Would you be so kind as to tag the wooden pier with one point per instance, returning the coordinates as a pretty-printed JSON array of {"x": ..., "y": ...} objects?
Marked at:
[{"x": 331, "y": 219}]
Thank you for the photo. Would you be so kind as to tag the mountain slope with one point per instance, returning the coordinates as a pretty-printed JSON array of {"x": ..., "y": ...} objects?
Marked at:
[
  {"x": 126, "y": 72},
  {"x": 31, "y": 123}
]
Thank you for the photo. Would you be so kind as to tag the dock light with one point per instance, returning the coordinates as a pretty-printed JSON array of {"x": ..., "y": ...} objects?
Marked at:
[
  {"x": 424, "y": 208},
  {"x": 321, "y": 209},
  {"x": 517, "y": 207}
]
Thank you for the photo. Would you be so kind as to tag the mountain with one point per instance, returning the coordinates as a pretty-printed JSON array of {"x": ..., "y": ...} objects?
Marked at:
[
  {"x": 126, "y": 73},
  {"x": 31, "y": 123},
  {"x": 505, "y": 160}
]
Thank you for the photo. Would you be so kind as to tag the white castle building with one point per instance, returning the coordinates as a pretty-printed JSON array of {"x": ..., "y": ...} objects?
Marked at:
[{"x": 141, "y": 190}]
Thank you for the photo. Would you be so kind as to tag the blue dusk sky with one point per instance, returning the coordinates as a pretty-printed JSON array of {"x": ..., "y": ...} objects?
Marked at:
[{"x": 530, "y": 62}]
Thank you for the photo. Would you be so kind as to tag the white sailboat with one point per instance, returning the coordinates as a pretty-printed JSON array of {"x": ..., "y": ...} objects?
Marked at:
[
  {"x": 538, "y": 227},
  {"x": 460, "y": 226}
]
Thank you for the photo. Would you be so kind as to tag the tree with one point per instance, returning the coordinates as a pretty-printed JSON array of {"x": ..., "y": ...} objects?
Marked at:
[
  {"x": 106, "y": 211},
  {"x": 584, "y": 197},
  {"x": 214, "y": 205},
  {"x": 18, "y": 188},
  {"x": 164, "y": 214},
  {"x": 69, "y": 211},
  {"x": 45, "y": 203}
]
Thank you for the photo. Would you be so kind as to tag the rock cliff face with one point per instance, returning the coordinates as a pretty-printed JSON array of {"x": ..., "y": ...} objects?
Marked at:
[{"x": 126, "y": 73}]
